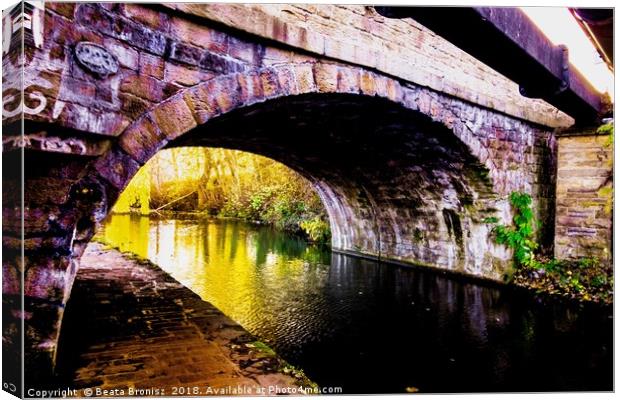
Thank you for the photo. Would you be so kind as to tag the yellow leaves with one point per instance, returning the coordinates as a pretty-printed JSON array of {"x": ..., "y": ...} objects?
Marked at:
[{"x": 222, "y": 181}]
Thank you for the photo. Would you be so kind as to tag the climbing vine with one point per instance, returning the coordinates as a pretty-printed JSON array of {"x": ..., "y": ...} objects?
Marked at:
[
  {"x": 520, "y": 236},
  {"x": 585, "y": 279}
]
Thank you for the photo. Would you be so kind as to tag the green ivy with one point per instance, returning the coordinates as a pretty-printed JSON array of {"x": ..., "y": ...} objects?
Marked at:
[
  {"x": 586, "y": 279},
  {"x": 520, "y": 236}
]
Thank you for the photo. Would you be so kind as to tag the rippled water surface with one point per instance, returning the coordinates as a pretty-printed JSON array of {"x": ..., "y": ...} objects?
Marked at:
[{"x": 371, "y": 327}]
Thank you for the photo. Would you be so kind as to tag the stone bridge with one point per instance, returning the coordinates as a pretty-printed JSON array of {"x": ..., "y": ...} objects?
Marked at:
[{"x": 410, "y": 142}]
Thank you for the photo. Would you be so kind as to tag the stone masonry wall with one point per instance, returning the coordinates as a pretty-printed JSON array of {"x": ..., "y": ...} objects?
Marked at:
[
  {"x": 108, "y": 85},
  {"x": 584, "y": 197},
  {"x": 356, "y": 34}
]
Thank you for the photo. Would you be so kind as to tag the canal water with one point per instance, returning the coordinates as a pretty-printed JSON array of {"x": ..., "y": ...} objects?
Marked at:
[{"x": 371, "y": 327}]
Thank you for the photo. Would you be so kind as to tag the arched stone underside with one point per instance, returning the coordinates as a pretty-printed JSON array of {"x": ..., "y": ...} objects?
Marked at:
[
  {"x": 406, "y": 174},
  {"x": 396, "y": 185}
]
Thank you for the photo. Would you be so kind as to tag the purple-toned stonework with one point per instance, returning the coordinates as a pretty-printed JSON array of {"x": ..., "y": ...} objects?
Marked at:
[{"x": 410, "y": 142}]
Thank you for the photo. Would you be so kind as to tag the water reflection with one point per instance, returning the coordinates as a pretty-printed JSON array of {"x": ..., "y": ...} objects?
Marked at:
[{"x": 371, "y": 327}]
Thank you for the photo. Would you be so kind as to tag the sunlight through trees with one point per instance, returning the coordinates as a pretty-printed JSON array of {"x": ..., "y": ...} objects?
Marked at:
[{"x": 226, "y": 183}]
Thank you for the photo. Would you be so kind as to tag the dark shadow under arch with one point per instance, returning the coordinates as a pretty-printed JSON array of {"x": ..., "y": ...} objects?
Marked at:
[{"x": 386, "y": 174}]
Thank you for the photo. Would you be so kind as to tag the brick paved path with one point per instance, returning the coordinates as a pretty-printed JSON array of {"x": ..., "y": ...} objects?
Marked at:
[{"x": 130, "y": 324}]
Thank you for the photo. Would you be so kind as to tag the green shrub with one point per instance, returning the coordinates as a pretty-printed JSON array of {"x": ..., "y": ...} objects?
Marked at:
[
  {"x": 316, "y": 229},
  {"x": 585, "y": 279}
]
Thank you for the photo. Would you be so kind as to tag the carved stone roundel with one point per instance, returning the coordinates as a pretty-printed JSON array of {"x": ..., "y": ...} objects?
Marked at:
[{"x": 96, "y": 59}]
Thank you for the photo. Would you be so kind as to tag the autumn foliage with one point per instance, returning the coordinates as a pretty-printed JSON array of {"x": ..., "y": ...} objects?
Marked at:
[{"x": 226, "y": 183}]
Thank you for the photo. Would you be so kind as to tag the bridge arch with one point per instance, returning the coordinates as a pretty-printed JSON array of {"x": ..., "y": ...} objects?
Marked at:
[
  {"x": 401, "y": 176},
  {"x": 407, "y": 174}
]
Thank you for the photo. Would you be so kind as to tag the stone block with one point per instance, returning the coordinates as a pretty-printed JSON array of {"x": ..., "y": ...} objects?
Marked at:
[
  {"x": 326, "y": 77},
  {"x": 133, "y": 106},
  {"x": 142, "y": 140},
  {"x": 36, "y": 219},
  {"x": 144, "y": 86},
  {"x": 185, "y": 53},
  {"x": 250, "y": 88},
  {"x": 11, "y": 275},
  {"x": 92, "y": 120},
  {"x": 140, "y": 36},
  {"x": 46, "y": 243},
  {"x": 226, "y": 93},
  {"x": 182, "y": 75},
  {"x": 305, "y": 78},
  {"x": 151, "y": 65},
  {"x": 220, "y": 64},
  {"x": 127, "y": 56},
  {"x": 65, "y": 9},
  {"x": 201, "y": 101},
  {"x": 349, "y": 80},
  {"x": 244, "y": 51},
  {"x": 46, "y": 278},
  {"x": 273, "y": 56},
  {"x": 174, "y": 117},
  {"x": 367, "y": 83},
  {"x": 116, "y": 167},
  {"x": 198, "y": 35},
  {"x": 269, "y": 83},
  {"x": 96, "y": 18},
  {"x": 46, "y": 190},
  {"x": 77, "y": 91},
  {"x": 287, "y": 81},
  {"x": 152, "y": 18}
]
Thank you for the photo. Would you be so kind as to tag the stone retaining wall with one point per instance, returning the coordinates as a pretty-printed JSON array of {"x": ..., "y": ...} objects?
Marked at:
[{"x": 584, "y": 197}]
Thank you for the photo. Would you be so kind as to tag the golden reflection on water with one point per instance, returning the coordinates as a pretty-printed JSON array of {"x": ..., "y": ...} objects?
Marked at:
[{"x": 224, "y": 262}]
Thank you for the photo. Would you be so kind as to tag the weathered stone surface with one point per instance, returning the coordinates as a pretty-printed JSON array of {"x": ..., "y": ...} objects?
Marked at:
[
  {"x": 93, "y": 120},
  {"x": 47, "y": 277},
  {"x": 199, "y": 35},
  {"x": 145, "y": 87},
  {"x": 219, "y": 64},
  {"x": 584, "y": 197},
  {"x": 185, "y": 53},
  {"x": 11, "y": 274},
  {"x": 120, "y": 27},
  {"x": 349, "y": 33},
  {"x": 173, "y": 117},
  {"x": 142, "y": 140},
  {"x": 64, "y": 9},
  {"x": 152, "y": 66},
  {"x": 134, "y": 106},
  {"x": 153, "y": 19},
  {"x": 117, "y": 168},
  {"x": 185, "y": 76}
]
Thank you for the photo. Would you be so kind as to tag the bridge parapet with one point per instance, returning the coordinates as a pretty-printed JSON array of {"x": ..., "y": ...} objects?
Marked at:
[{"x": 401, "y": 48}]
